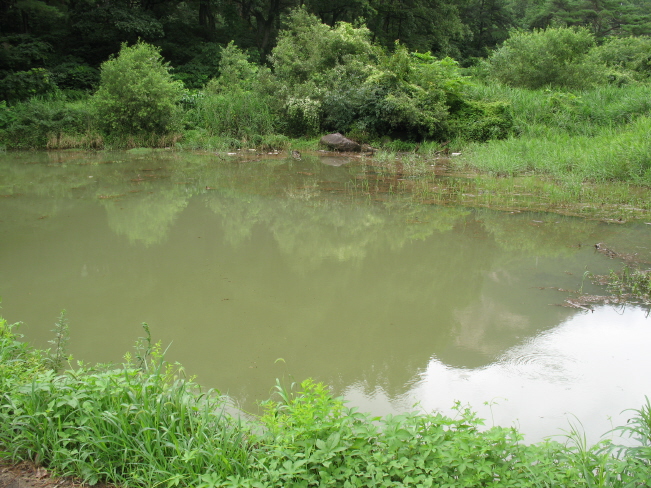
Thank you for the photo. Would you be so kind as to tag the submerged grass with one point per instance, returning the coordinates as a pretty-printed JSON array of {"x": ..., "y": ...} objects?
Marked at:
[
  {"x": 632, "y": 282},
  {"x": 143, "y": 424}
]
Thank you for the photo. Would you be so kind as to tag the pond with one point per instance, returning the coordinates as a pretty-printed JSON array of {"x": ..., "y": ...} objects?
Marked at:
[{"x": 252, "y": 267}]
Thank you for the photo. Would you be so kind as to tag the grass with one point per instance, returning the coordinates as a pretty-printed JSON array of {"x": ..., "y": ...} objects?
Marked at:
[
  {"x": 632, "y": 282},
  {"x": 143, "y": 424},
  {"x": 596, "y": 136}
]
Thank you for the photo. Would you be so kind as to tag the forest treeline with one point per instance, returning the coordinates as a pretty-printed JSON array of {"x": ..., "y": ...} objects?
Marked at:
[
  {"x": 71, "y": 38},
  {"x": 83, "y": 74}
]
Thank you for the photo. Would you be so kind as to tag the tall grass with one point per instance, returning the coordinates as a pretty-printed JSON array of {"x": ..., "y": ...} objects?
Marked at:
[
  {"x": 45, "y": 121},
  {"x": 599, "y": 135},
  {"x": 125, "y": 425},
  {"x": 238, "y": 114},
  {"x": 584, "y": 112}
]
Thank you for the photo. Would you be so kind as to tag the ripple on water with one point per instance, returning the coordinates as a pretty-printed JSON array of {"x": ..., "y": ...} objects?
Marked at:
[{"x": 539, "y": 358}]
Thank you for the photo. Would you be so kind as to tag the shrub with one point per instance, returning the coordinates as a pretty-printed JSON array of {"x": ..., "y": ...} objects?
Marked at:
[
  {"x": 75, "y": 76},
  {"x": 555, "y": 57},
  {"x": 307, "y": 48},
  {"x": 235, "y": 70},
  {"x": 33, "y": 123},
  {"x": 627, "y": 58},
  {"x": 407, "y": 95},
  {"x": 137, "y": 93},
  {"x": 21, "y": 85},
  {"x": 18, "y": 361},
  {"x": 480, "y": 121}
]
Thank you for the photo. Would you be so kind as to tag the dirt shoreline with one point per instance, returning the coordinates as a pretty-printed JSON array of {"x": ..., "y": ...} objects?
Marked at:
[{"x": 28, "y": 475}]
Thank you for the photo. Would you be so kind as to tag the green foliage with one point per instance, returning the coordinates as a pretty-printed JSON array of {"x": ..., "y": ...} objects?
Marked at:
[
  {"x": 480, "y": 121},
  {"x": 603, "y": 18},
  {"x": 238, "y": 114},
  {"x": 597, "y": 135},
  {"x": 130, "y": 426},
  {"x": 75, "y": 76},
  {"x": 21, "y": 52},
  {"x": 632, "y": 282},
  {"x": 639, "y": 429},
  {"x": 623, "y": 155},
  {"x": 38, "y": 122},
  {"x": 144, "y": 425},
  {"x": 307, "y": 48},
  {"x": 318, "y": 71},
  {"x": 235, "y": 70},
  {"x": 313, "y": 440},
  {"x": 554, "y": 57},
  {"x": 334, "y": 79},
  {"x": 410, "y": 95},
  {"x": 21, "y": 85},
  {"x": 18, "y": 361},
  {"x": 627, "y": 58},
  {"x": 233, "y": 105},
  {"x": 60, "y": 342},
  {"x": 137, "y": 93}
]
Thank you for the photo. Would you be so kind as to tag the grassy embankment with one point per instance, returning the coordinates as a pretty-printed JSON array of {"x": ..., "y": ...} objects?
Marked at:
[
  {"x": 142, "y": 424},
  {"x": 585, "y": 153}
]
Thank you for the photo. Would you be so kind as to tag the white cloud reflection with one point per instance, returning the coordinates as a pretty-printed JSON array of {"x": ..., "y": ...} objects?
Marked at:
[{"x": 591, "y": 367}]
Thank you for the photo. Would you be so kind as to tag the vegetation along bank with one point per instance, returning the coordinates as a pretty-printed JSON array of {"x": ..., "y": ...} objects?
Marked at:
[
  {"x": 520, "y": 89},
  {"x": 143, "y": 424}
]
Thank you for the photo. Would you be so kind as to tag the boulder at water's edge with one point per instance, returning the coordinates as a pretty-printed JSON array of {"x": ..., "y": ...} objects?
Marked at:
[{"x": 337, "y": 142}]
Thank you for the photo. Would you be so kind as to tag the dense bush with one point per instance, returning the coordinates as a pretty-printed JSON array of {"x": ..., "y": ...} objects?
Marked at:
[
  {"x": 627, "y": 58},
  {"x": 236, "y": 72},
  {"x": 554, "y": 57},
  {"x": 21, "y": 85},
  {"x": 232, "y": 105},
  {"x": 335, "y": 80},
  {"x": 75, "y": 76},
  {"x": 137, "y": 93},
  {"x": 315, "y": 68},
  {"x": 43, "y": 121},
  {"x": 307, "y": 49},
  {"x": 479, "y": 121}
]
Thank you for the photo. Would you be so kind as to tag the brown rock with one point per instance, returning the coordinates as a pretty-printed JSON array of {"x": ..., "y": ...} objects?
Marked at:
[{"x": 337, "y": 142}]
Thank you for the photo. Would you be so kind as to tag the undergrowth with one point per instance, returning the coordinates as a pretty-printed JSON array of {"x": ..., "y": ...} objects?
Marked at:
[{"x": 144, "y": 424}]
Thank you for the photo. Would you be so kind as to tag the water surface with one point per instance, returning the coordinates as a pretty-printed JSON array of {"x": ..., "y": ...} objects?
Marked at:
[{"x": 261, "y": 267}]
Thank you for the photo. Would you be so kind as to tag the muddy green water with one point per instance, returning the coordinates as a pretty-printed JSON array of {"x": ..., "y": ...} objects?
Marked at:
[{"x": 239, "y": 261}]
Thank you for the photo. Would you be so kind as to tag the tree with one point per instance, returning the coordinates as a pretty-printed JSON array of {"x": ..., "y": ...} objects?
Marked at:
[
  {"x": 137, "y": 93},
  {"x": 423, "y": 25},
  {"x": 603, "y": 18},
  {"x": 489, "y": 22}
]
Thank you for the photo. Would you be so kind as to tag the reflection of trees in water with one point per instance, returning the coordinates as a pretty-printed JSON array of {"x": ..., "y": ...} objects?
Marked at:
[
  {"x": 311, "y": 231},
  {"x": 145, "y": 220},
  {"x": 397, "y": 283}
]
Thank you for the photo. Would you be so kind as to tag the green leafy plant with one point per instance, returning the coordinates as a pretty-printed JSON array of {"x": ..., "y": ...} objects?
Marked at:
[
  {"x": 137, "y": 93},
  {"x": 631, "y": 281},
  {"x": 21, "y": 85},
  {"x": 60, "y": 342}
]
